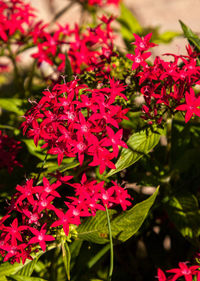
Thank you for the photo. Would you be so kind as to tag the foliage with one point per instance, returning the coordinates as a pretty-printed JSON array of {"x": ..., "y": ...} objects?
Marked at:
[{"x": 81, "y": 159}]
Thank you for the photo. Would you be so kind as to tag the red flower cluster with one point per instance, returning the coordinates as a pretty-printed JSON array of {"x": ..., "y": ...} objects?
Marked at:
[
  {"x": 15, "y": 16},
  {"x": 165, "y": 85},
  {"x": 9, "y": 148},
  {"x": 32, "y": 215},
  {"x": 100, "y": 2},
  {"x": 188, "y": 272},
  {"x": 87, "y": 50},
  {"x": 79, "y": 125}
]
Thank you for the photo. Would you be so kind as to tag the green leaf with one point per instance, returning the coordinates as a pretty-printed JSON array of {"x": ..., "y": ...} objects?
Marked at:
[
  {"x": 95, "y": 229},
  {"x": 129, "y": 24},
  {"x": 24, "y": 278},
  {"x": 190, "y": 35},
  {"x": 67, "y": 164},
  {"x": 27, "y": 270},
  {"x": 75, "y": 248},
  {"x": 36, "y": 151},
  {"x": 166, "y": 37},
  {"x": 123, "y": 226},
  {"x": 7, "y": 269},
  {"x": 68, "y": 69},
  {"x": 128, "y": 223},
  {"x": 12, "y": 104},
  {"x": 139, "y": 144},
  {"x": 183, "y": 210},
  {"x": 66, "y": 257}
]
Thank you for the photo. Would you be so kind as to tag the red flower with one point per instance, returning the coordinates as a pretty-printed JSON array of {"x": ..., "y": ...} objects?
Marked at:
[
  {"x": 143, "y": 44},
  {"x": 114, "y": 140},
  {"x": 161, "y": 275},
  {"x": 40, "y": 237},
  {"x": 191, "y": 105},
  {"x": 139, "y": 59},
  {"x": 184, "y": 270}
]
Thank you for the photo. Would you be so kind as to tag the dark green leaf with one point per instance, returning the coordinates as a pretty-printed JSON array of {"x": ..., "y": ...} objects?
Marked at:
[
  {"x": 183, "y": 210},
  {"x": 139, "y": 144},
  {"x": 123, "y": 226},
  {"x": 75, "y": 248}
]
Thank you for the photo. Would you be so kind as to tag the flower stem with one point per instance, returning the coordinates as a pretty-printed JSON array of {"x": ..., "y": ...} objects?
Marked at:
[{"x": 111, "y": 247}]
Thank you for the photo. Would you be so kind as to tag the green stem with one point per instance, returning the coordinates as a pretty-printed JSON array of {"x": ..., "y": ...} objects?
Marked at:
[
  {"x": 111, "y": 247},
  {"x": 98, "y": 256}
]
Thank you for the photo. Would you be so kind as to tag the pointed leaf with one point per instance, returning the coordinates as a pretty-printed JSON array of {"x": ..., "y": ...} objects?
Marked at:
[
  {"x": 190, "y": 35},
  {"x": 27, "y": 270},
  {"x": 74, "y": 248},
  {"x": 66, "y": 257},
  {"x": 68, "y": 69},
  {"x": 139, "y": 144},
  {"x": 123, "y": 226}
]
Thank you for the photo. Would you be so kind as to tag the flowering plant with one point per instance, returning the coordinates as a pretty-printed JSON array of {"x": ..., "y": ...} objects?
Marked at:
[{"x": 74, "y": 124}]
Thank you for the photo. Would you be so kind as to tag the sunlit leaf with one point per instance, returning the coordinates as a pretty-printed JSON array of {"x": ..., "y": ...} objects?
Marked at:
[
  {"x": 27, "y": 270},
  {"x": 193, "y": 39},
  {"x": 123, "y": 226},
  {"x": 36, "y": 151},
  {"x": 139, "y": 144},
  {"x": 129, "y": 23},
  {"x": 12, "y": 104},
  {"x": 7, "y": 269},
  {"x": 166, "y": 37}
]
